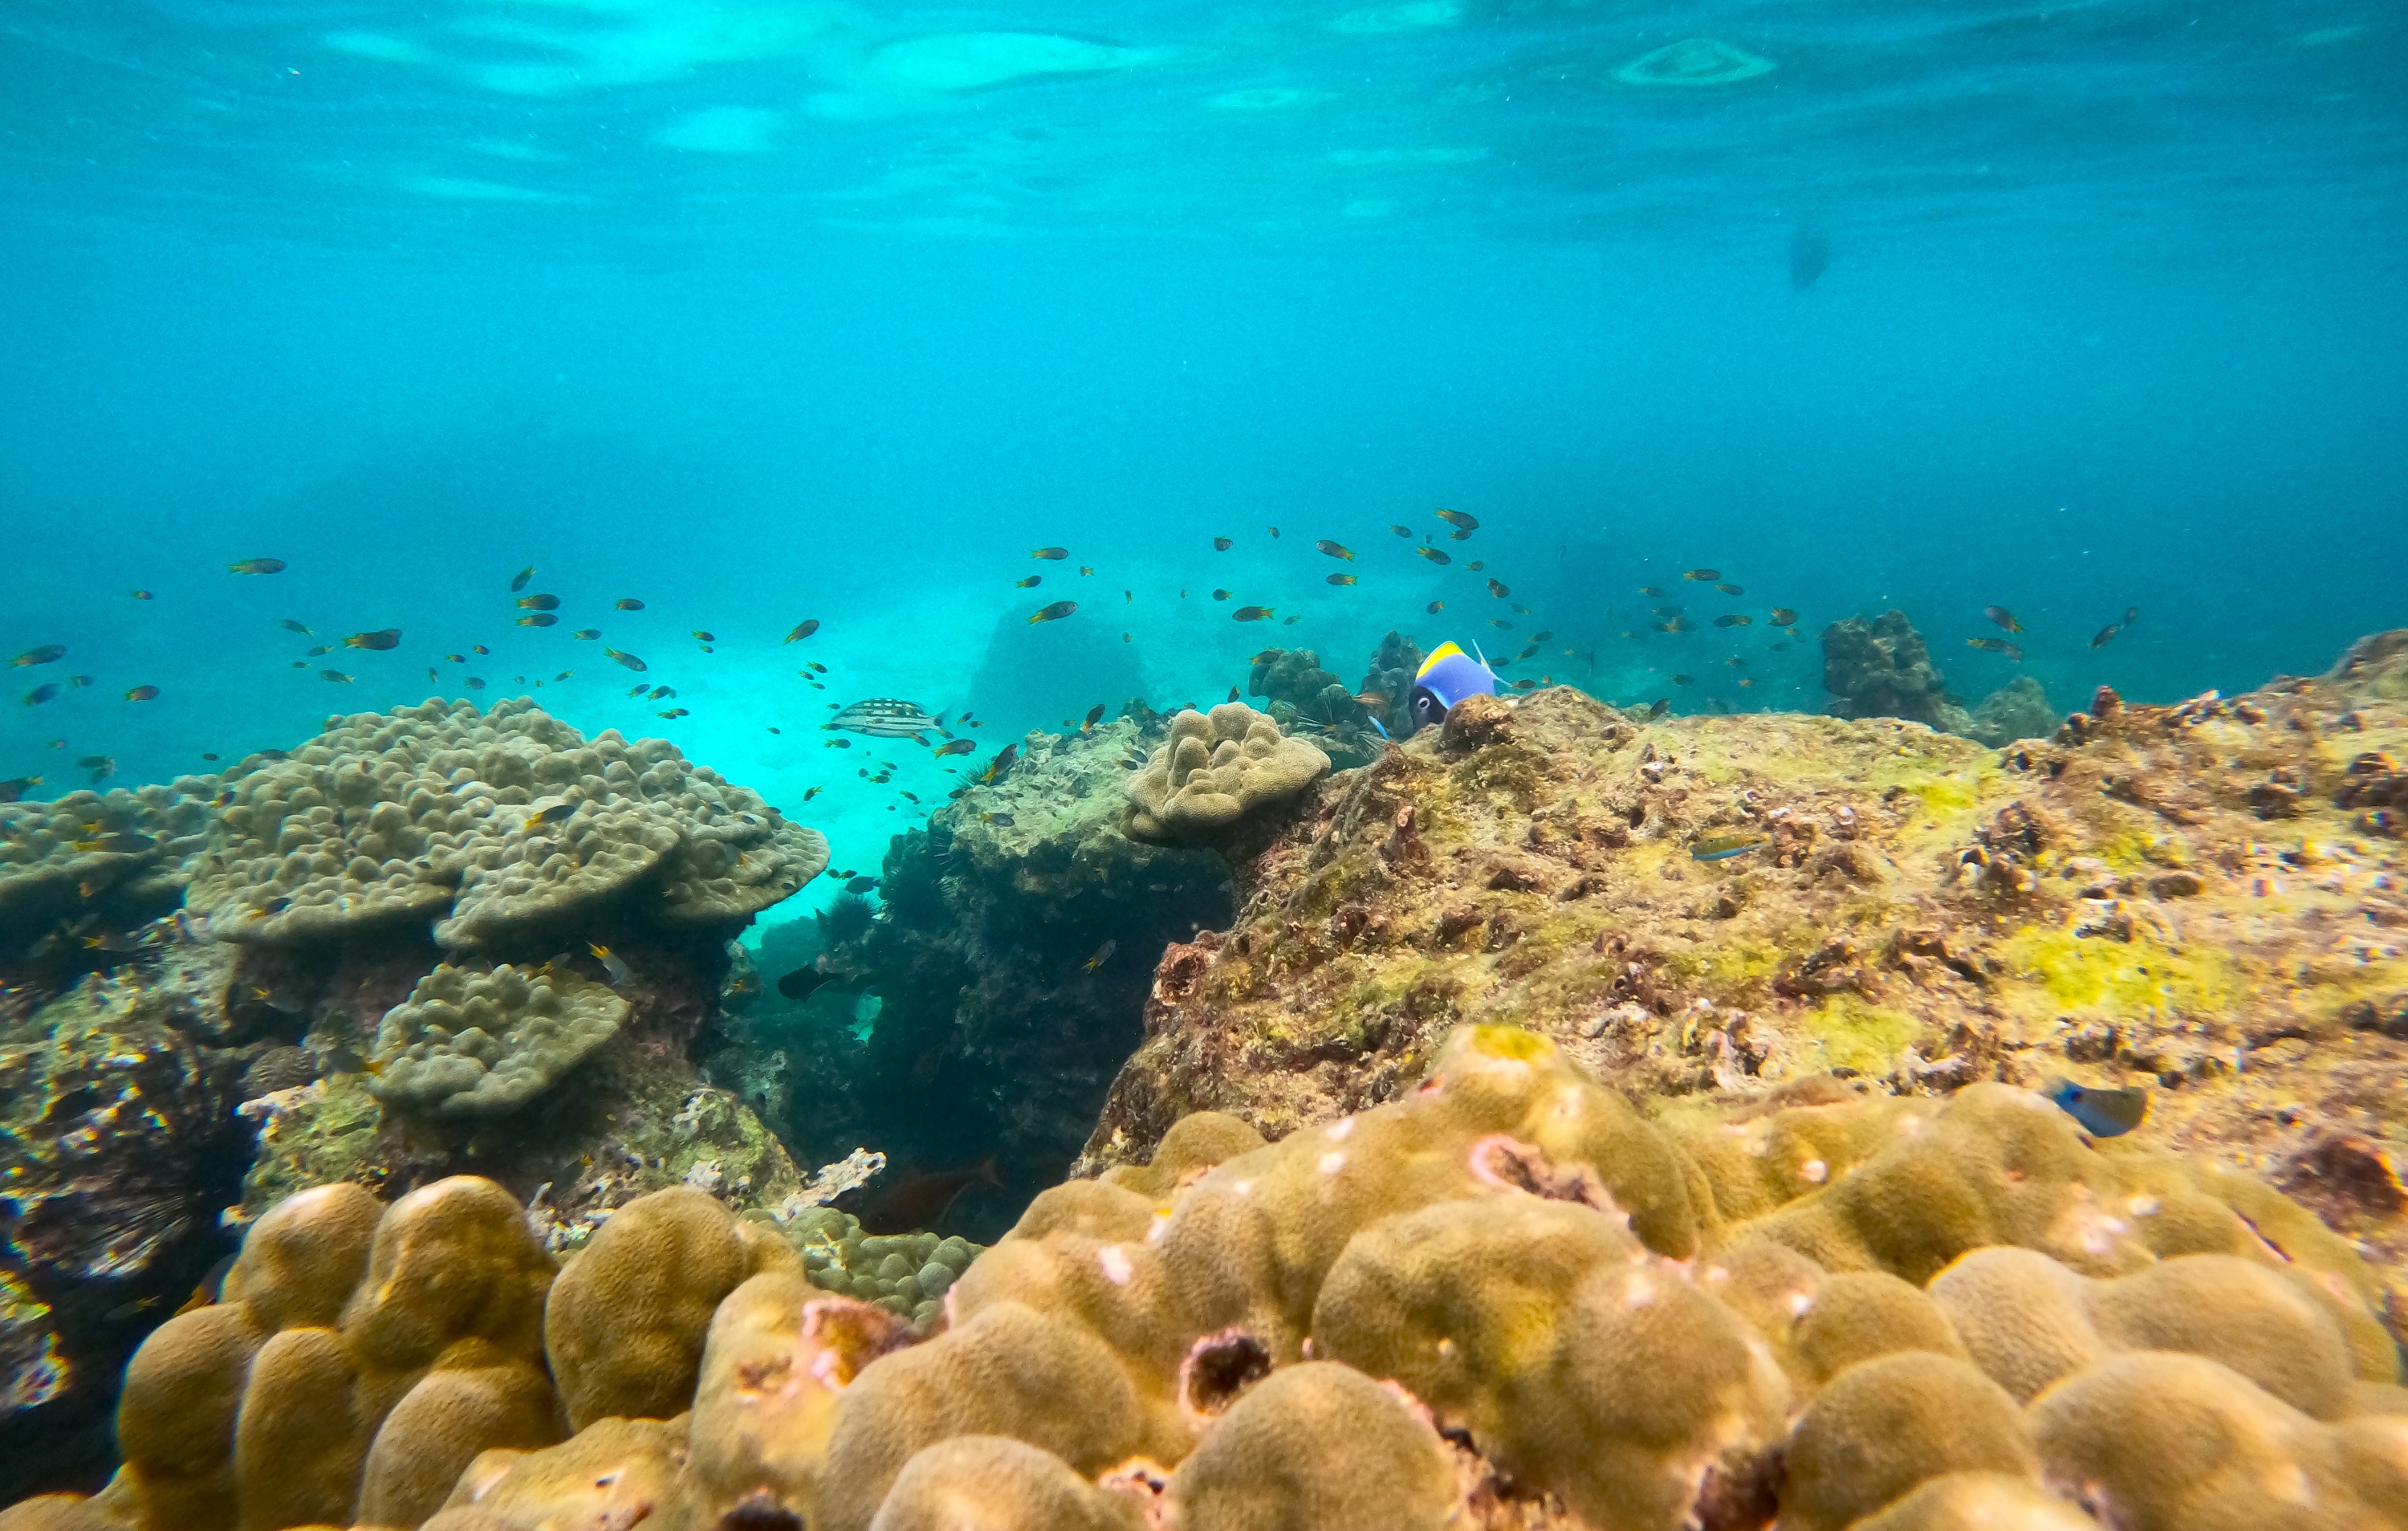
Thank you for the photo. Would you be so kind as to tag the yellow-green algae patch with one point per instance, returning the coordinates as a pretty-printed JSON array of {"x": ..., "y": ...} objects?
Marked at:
[
  {"x": 2095, "y": 976},
  {"x": 1853, "y": 1034}
]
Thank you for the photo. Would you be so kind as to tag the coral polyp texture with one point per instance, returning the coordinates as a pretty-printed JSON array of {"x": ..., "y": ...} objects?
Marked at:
[
  {"x": 482, "y": 1042},
  {"x": 1508, "y": 1298},
  {"x": 1216, "y": 770},
  {"x": 491, "y": 827},
  {"x": 77, "y": 868}
]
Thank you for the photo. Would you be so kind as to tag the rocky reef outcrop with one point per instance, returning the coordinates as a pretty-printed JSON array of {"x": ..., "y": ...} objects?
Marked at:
[
  {"x": 1003, "y": 978},
  {"x": 2209, "y": 899},
  {"x": 1509, "y": 1298},
  {"x": 1882, "y": 668}
]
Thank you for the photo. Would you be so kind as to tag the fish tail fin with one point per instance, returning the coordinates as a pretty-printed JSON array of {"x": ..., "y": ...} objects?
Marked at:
[{"x": 1381, "y": 727}]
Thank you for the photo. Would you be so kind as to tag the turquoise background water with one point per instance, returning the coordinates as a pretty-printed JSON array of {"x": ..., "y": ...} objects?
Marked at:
[{"x": 767, "y": 312}]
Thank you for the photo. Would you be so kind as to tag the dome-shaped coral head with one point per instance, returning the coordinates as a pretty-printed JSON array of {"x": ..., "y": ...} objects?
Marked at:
[{"x": 1445, "y": 678}]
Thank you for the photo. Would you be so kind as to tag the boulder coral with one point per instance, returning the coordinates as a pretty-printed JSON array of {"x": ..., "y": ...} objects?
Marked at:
[
  {"x": 82, "y": 869},
  {"x": 1216, "y": 770},
  {"x": 492, "y": 828},
  {"x": 482, "y": 1042},
  {"x": 1508, "y": 1298}
]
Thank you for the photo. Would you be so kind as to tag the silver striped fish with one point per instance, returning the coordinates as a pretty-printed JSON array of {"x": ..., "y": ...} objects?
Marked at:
[{"x": 886, "y": 717}]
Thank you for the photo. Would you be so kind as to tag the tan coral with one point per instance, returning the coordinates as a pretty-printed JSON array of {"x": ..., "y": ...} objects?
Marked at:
[
  {"x": 996, "y": 1483},
  {"x": 117, "y": 855},
  {"x": 487, "y": 825},
  {"x": 1318, "y": 1447},
  {"x": 482, "y": 1042},
  {"x": 625, "y": 1323},
  {"x": 1214, "y": 771},
  {"x": 613, "y": 1473}
]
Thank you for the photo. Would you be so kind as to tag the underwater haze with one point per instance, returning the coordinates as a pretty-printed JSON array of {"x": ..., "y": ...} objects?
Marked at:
[{"x": 765, "y": 314}]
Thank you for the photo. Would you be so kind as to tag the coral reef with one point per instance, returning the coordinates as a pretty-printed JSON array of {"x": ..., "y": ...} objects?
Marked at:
[
  {"x": 1394, "y": 665},
  {"x": 1881, "y": 668},
  {"x": 496, "y": 828},
  {"x": 78, "y": 871},
  {"x": 1305, "y": 699},
  {"x": 471, "y": 1042},
  {"x": 2017, "y": 710},
  {"x": 1508, "y": 1298},
  {"x": 1008, "y": 967},
  {"x": 2188, "y": 898},
  {"x": 1216, "y": 770}
]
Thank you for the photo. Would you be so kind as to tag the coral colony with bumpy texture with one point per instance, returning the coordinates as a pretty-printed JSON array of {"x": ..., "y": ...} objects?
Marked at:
[{"x": 1573, "y": 1118}]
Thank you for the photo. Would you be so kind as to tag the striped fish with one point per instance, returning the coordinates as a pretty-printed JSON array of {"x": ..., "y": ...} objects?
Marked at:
[{"x": 886, "y": 717}]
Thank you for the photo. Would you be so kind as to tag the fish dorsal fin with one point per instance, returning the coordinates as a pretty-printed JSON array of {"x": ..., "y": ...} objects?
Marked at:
[{"x": 1449, "y": 650}]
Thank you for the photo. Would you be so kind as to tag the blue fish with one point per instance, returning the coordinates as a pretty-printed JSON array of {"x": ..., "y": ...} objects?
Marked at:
[
  {"x": 2103, "y": 1113},
  {"x": 1445, "y": 678}
]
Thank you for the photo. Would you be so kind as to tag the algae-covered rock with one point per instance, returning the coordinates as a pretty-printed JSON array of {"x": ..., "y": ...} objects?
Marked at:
[
  {"x": 1216, "y": 770},
  {"x": 2017, "y": 710},
  {"x": 490, "y": 827},
  {"x": 1390, "y": 678},
  {"x": 2194, "y": 899},
  {"x": 482, "y": 1042}
]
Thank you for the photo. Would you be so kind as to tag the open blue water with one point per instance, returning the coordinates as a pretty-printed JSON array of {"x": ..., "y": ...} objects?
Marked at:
[{"x": 762, "y": 311}]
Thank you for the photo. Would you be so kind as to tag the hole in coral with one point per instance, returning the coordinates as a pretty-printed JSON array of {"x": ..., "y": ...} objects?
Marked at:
[
  {"x": 1220, "y": 1367},
  {"x": 758, "y": 1511}
]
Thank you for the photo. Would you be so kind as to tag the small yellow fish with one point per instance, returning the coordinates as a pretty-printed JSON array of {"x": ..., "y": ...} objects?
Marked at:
[
  {"x": 1335, "y": 550},
  {"x": 1055, "y": 612},
  {"x": 1103, "y": 954},
  {"x": 1401, "y": 531},
  {"x": 257, "y": 566},
  {"x": 1341, "y": 579},
  {"x": 1222, "y": 595},
  {"x": 1031, "y": 580},
  {"x": 1498, "y": 589},
  {"x": 1731, "y": 590},
  {"x": 1252, "y": 613},
  {"x": 1055, "y": 553},
  {"x": 1459, "y": 520},
  {"x": 1432, "y": 554},
  {"x": 1782, "y": 616},
  {"x": 1704, "y": 576},
  {"x": 1435, "y": 607},
  {"x": 142, "y": 693}
]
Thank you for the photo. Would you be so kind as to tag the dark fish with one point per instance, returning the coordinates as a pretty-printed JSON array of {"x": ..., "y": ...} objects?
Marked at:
[
  {"x": 539, "y": 619},
  {"x": 1053, "y": 552},
  {"x": 15, "y": 787},
  {"x": 41, "y": 694},
  {"x": 1252, "y": 614},
  {"x": 2103, "y": 1113},
  {"x": 1653, "y": 591},
  {"x": 1054, "y": 613},
  {"x": 803, "y": 629},
  {"x": 1722, "y": 848},
  {"x": 1103, "y": 955},
  {"x": 810, "y": 792},
  {"x": 520, "y": 581},
  {"x": 1001, "y": 764},
  {"x": 290, "y": 626},
  {"x": 1810, "y": 253},
  {"x": 142, "y": 693},
  {"x": 1221, "y": 544},
  {"x": 1782, "y": 616},
  {"x": 957, "y": 746},
  {"x": 1527, "y": 652},
  {"x": 1223, "y": 595},
  {"x": 1704, "y": 576},
  {"x": 1401, "y": 531},
  {"x": 801, "y": 983},
  {"x": 540, "y": 602},
  {"x": 1997, "y": 646},
  {"x": 383, "y": 638},
  {"x": 705, "y": 637},
  {"x": 628, "y": 603},
  {"x": 257, "y": 566},
  {"x": 1676, "y": 625},
  {"x": 1500, "y": 623},
  {"x": 1433, "y": 554},
  {"x": 479, "y": 648},
  {"x": 2106, "y": 635},
  {"x": 41, "y": 655},
  {"x": 1542, "y": 637},
  {"x": 140, "y": 595},
  {"x": 1233, "y": 693},
  {"x": 1094, "y": 716},
  {"x": 1476, "y": 565},
  {"x": 1033, "y": 579},
  {"x": 1658, "y": 707},
  {"x": 2004, "y": 617},
  {"x": 1731, "y": 590},
  {"x": 208, "y": 755},
  {"x": 860, "y": 885},
  {"x": 1273, "y": 530},
  {"x": 473, "y": 683},
  {"x": 1733, "y": 619},
  {"x": 94, "y": 762},
  {"x": 1001, "y": 820},
  {"x": 1459, "y": 520},
  {"x": 1458, "y": 535},
  {"x": 1435, "y": 607},
  {"x": 2132, "y": 615},
  {"x": 661, "y": 693},
  {"x": 322, "y": 648},
  {"x": 339, "y": 675},
  {"x": 1683, "y": 680},
  {"x": 921, "y": 1200},
  {"x": 627, "y": 659},
  {"x": 586, "y": 632},
  {"x": 1335, "y": 550},
  {"x": 674, "y": 712},
  {"x": 562, "y": 676},
  {"x": 1499, "y": 589},
  {"x": 1341, "y": 579}
]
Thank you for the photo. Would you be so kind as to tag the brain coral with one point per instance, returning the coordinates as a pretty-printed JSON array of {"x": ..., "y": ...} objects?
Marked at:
[
  {"x": 1216, "y": 769},
  {"x": 491, "y": 825},
  {"x": 479, "y": 1042}
]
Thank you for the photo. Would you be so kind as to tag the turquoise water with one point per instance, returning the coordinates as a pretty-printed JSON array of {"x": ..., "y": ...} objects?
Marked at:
[{"x": 761, "y": 313}]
